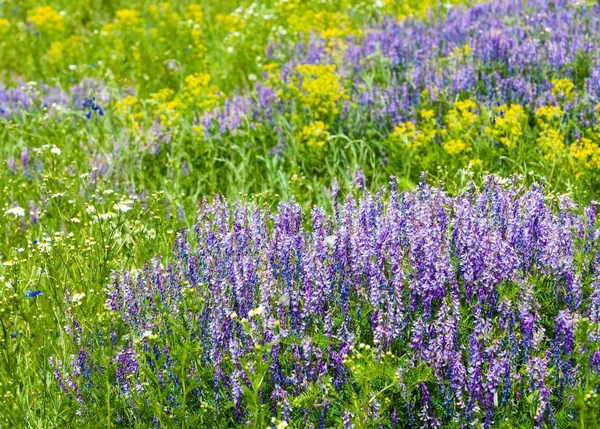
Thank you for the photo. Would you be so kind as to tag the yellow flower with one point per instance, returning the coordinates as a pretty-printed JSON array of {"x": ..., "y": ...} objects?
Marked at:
[
  {"x": 405, "y": 130},
  {"x": 460, "y": 52},
  {"x": 455, "y": 147},
  {"x": 326, "y": 24},
  {"x": 195, "y": 13},
  {"x": 55, "y": 53},
  {"x": 128, "y": 17},
  {"x": 126, "y": 104},
  {"x": 427, "y": 114},
  {"x": 547, "y": 114},
  {"x": 461, "y": 116},
  {"x": 4, "y": 26},
  {"x": 465, "y": 106},
  {"x": 551, "y": 143},
  {"x": 230, "y": 23},
  {"x": 562, "y": 87},
  {"x": 586, "y": 152},
  {"x": 163, "y": 95},
  {"x": 475, "y": 162},
  {"x": 46, "y": 18},
  {"x": 407, "y": 133},
  {"x": 168, "y": 107},
  {"x": 129, "y": 107},
  {"x": 315, "y": 134},
  {"x": 509, "y": 123},
  {"x": 320, "y": 88},
  {"x": 198, "y": 94}
]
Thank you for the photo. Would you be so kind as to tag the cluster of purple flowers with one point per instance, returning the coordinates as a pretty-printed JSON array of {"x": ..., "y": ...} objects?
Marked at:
[
  {"x": 30, "y": 96},
  {"x": 494, "y": 53},
  {"x": 487, "y": 289}
]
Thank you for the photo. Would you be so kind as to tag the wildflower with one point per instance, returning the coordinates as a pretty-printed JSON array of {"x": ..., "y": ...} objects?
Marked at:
[
  {"x": 195, "y": 13},
  {"x": 149, "y": 335},
  {"x": 456, "y": 147},
  {"x": 4, "y": 26},
  {"x": 33, "y": 293},
  {"x": 128, "y": 17},
  {"x": 15, "y": 211},
  {"x": 562, "y": 87},
  {"x": 46, "y": 18},
  {"x": 315, "y": 134},
  {"x": 198, "y": 92},
  {"x": 107, "y": 215},
  {"x": 92, "y": 107},
  {"x": 123, "y": 206},
  {"x": 320, "y": 88},
  {"x": 257, "y": 311},
  {"x": 77, "y": 297},
  {"x": 55, "y": 150}
]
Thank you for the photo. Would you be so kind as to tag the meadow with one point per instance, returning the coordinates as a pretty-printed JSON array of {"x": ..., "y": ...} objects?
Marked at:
[{"x": 299, "y": 214}]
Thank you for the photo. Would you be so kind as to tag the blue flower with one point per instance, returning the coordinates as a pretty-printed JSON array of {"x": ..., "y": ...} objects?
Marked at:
[
  {"x": 92, "y": 107},
  {"x": 33, "y": 293}
]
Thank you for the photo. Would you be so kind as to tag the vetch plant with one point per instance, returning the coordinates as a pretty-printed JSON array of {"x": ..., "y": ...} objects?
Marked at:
[{"x": 414, "y": 309}]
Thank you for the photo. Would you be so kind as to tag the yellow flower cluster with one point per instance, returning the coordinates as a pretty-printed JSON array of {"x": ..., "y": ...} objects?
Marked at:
[
  {"x": 427, "y": 115},
  {"x": 462, "y": 115},
  {"x": 548, "y": 114},
  {"x": 459, "y": 122},
  {"x": 4, "y": 26},
  {"x": 163, "y": 20},
  {"x": 456, "y": 147},
  {"x": 460, "y": 52},
  {"x": 230, "y": 23},
  {"x": 128, "y": 17},
  {"x": 130, "y": 108},
  {"x": 320, "y": 89},
  {"x": 60, "y": 50},
  {"x": 46, "y": 19},
  {"x": 416, "y": 138},
  {"x": 550, "y": 139},
  {"x": 411, "y": 8},
  {"x": 463, "y": 127},
  {"x": 168, "y": 107},
  {"x": 125, "y": 19},
  {"x": 563, "y": 88},
  {"x": 195, "y": 13},
  {"x": 586, "y": 153},
  {"x": 198, "y": 93},
  {"x": 315, "y": 134},
  {"x": 405, "y": 130},
  {"x": 407, "y": 133},
  {"x": 328, "y": 25},
  {"x": 510, "y": 121}
]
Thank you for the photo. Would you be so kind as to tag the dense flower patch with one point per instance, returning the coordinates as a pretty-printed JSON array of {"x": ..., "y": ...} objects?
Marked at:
[
  {"x": 416, "y": 307},
  {"x": 307, "y": 214},
  {"x": 489, "y": 87}
]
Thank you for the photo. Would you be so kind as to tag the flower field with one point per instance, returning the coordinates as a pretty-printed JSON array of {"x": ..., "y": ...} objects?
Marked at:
[{"x": 300, "y": 214}]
